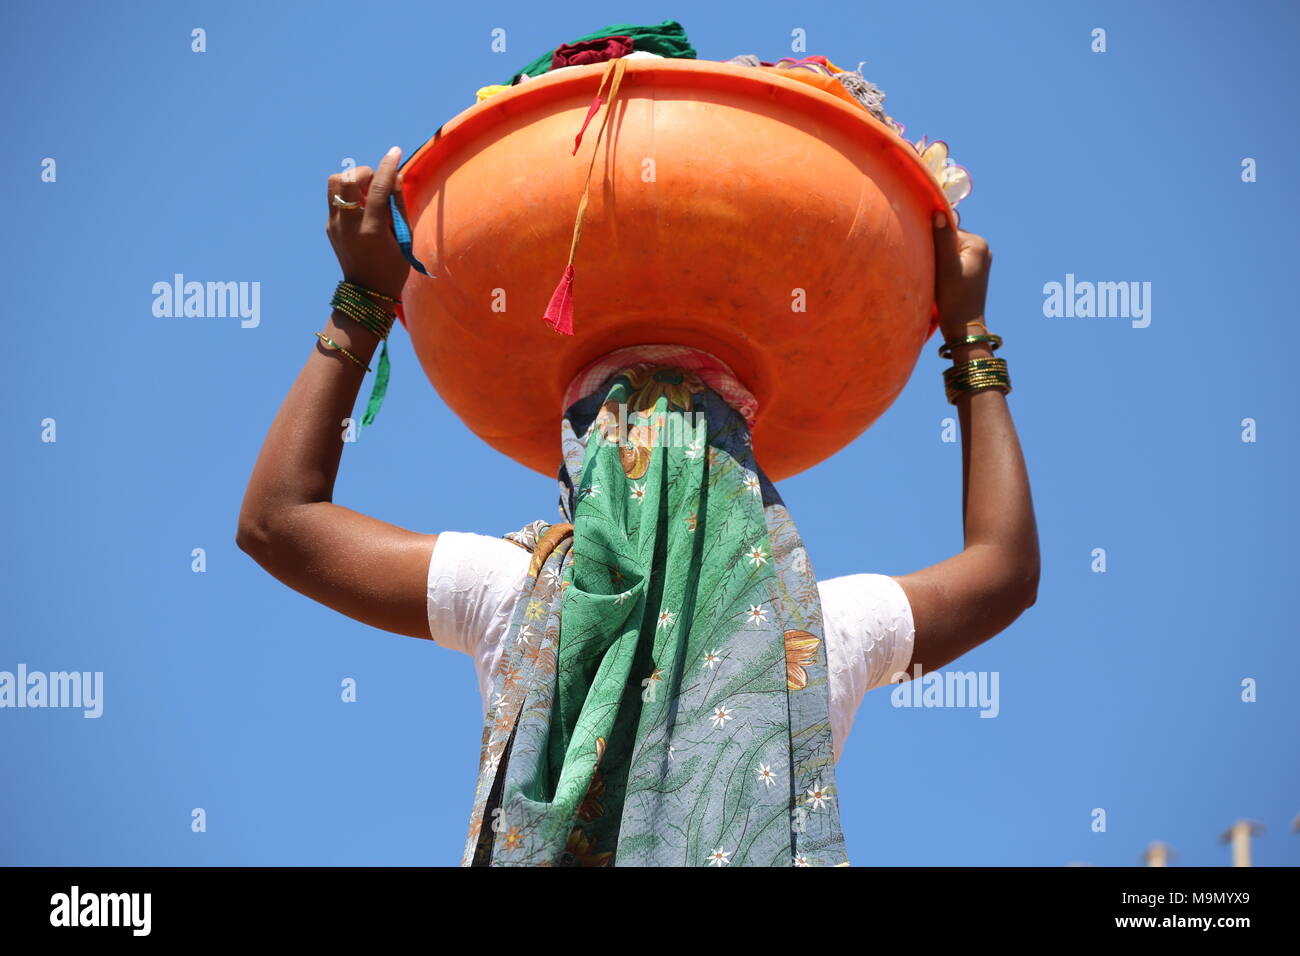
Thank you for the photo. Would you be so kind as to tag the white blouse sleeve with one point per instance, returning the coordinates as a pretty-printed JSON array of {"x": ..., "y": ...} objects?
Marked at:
[
  {"x": 474, "y": 583},
  {"x": 869, "y": 636}
]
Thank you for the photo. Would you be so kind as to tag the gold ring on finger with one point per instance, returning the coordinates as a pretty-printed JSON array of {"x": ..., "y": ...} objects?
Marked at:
[{"x": 341, "y": 203}]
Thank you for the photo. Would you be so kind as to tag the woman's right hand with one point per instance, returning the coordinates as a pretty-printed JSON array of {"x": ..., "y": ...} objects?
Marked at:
[{"x": 362, "y": 237}]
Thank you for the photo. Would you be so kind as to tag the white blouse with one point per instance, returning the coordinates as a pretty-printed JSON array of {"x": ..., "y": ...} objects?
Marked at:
[{"x": 475, "y": 581}]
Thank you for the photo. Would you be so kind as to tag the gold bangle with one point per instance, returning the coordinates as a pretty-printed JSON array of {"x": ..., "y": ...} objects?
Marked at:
[
  {"x": 975, "y": 375},
  {"x": 356, "y": 303},
  {"x": 364, "y": 319},
  {"x": 976, "y": 378},
  {"x": 976, "y": 364},
  {"x": 368, "y": 319},
  {"x": 361, "y": 299},
  {"x": 361, "y": 302},
  {"x": 994, "y": 343},
  {"x": 981, "y": 362},
  {"x": 956, "y": 394},
  {"x": 353, "y": 287},
  {"x": 338, "y": 348}
]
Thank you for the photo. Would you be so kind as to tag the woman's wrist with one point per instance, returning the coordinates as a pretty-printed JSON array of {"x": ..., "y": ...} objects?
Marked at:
[
  {"x": 974, "y": 367},
  {"x": 370, "y": 286},
  {"x": 963, "y": 353},
  {"x": 365, "y": 315},
  {"x": 351, "y": 334}
]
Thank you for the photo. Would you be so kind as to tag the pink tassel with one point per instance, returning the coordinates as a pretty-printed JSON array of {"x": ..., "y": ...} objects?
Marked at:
[
  {"x": 595, "y": 105},
  {"x": 559, "y": 314}
]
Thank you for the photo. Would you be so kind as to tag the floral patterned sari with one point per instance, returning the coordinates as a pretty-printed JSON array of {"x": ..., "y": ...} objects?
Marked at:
[{"x": 661, "y": 699}]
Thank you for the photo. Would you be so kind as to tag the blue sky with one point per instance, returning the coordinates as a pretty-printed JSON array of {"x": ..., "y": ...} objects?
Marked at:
[{"x": 1119, "y": 690}]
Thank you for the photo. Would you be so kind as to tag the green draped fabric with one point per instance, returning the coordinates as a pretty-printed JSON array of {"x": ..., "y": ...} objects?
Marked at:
[
  {"x": 662, "y": 696},
  {"x": 666, "y": 39}
]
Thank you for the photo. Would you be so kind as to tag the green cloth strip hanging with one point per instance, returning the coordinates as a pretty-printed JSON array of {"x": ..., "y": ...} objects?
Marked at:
[
  {"x": 666, "y": 39},
  {"x": 379, "y": 389}
]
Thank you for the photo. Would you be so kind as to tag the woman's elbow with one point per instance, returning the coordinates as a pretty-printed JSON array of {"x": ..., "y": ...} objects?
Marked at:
[
  {"x": 1028, "y": 589},
  {"x": 253, "y": 534},
  {"x": 1011, "y": 579},
  {"x": 1016, "y": 587}
]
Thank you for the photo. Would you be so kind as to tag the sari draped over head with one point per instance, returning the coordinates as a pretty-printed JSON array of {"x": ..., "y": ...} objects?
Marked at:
[{"x": 661, "y": 698}]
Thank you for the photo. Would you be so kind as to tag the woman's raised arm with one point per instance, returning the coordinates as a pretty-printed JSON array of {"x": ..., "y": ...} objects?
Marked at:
[
  {"x": 367, "y": 569},
  {"x": 961, "y": 602}
]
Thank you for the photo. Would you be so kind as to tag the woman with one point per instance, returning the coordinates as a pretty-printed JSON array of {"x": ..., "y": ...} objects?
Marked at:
[{"x": 704, "y": 684}]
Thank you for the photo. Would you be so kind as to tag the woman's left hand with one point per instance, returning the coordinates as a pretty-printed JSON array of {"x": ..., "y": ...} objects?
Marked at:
[
  {"x": 363, "y": 238},
  {"x": 961, "y": 277}
]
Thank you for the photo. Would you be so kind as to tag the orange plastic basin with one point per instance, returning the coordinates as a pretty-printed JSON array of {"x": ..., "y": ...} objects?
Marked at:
[{"x": 723, "y": 200}]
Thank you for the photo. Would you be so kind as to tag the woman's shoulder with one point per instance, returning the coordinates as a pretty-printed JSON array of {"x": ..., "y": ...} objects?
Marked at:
[
  {"x": 865, "y": 607},
  {"x": 474, "y": 580}
]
